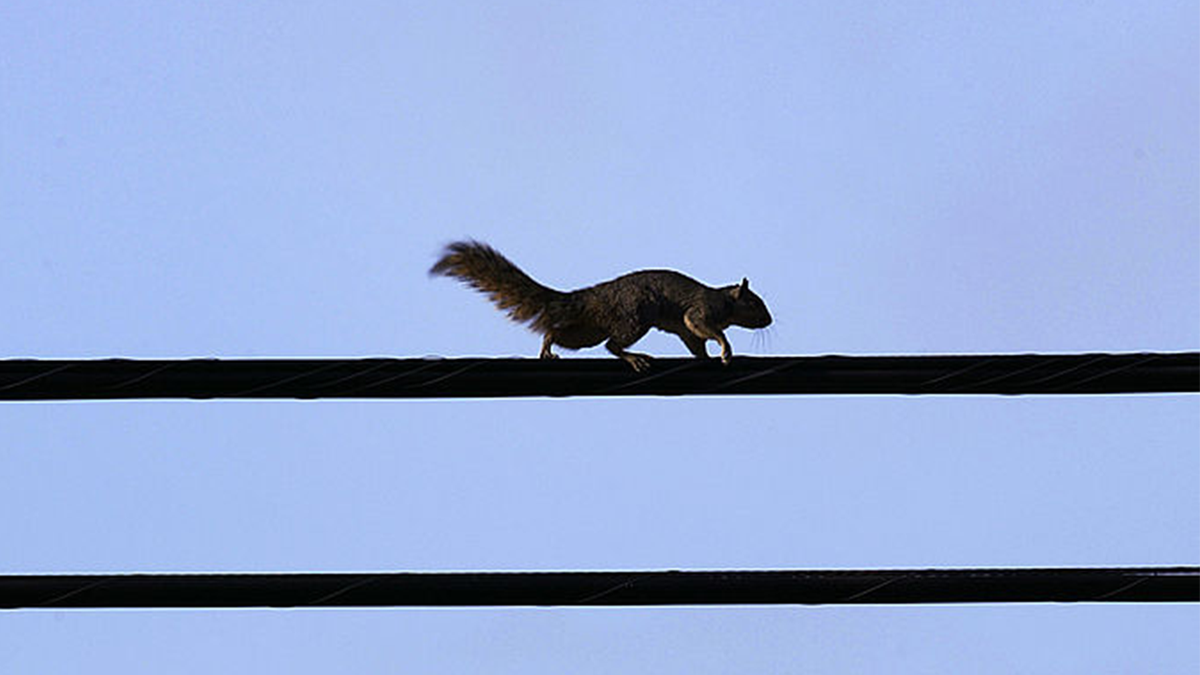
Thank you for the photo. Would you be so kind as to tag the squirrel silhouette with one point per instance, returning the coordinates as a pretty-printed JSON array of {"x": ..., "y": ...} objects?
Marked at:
[{"x": 617, "y": 312}]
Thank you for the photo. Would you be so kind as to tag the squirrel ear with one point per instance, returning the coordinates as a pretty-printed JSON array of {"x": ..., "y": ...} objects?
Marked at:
[{"x": 745, "y": 284}]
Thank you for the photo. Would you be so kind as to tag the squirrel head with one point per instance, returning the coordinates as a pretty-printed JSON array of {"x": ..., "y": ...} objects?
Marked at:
[{"x": 749, "y": 310}]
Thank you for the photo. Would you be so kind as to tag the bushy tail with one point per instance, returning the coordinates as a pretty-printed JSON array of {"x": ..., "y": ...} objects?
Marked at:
[{"x": 483, "y": 268}]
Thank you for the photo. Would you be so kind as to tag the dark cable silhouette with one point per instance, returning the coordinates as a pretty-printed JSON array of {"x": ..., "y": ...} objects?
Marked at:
[
  {"x": 631, "y": 588},
  {"x": 1006, "y": 374}
]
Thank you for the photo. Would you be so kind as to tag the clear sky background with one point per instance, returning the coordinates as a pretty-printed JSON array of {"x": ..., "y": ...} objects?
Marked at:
[{"x": 234, "y": 179}]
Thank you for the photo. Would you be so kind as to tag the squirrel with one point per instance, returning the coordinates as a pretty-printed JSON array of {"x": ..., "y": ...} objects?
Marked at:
[{"x": 617, "y": 312}]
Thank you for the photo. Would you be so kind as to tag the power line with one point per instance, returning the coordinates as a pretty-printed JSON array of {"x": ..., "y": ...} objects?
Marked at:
[
  {"x": 455, "y": 589},
  {"x": 1008, "y": 374}
]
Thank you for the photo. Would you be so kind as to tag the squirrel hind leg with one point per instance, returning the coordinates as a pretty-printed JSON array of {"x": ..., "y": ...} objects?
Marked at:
[
  {"x": 639, "y": 362},
  {"x": 547, "y": 343}
]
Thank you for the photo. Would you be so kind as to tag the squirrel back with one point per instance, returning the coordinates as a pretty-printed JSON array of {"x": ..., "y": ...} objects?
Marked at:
[{"x": 619, "y": 311}]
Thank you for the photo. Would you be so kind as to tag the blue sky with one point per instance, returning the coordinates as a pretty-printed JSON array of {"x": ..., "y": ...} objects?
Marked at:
[{"x": 270, "y": 179}]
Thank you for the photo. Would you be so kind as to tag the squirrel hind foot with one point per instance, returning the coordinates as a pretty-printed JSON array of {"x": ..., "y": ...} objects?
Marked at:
[{"x": 639, "y": 362}]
